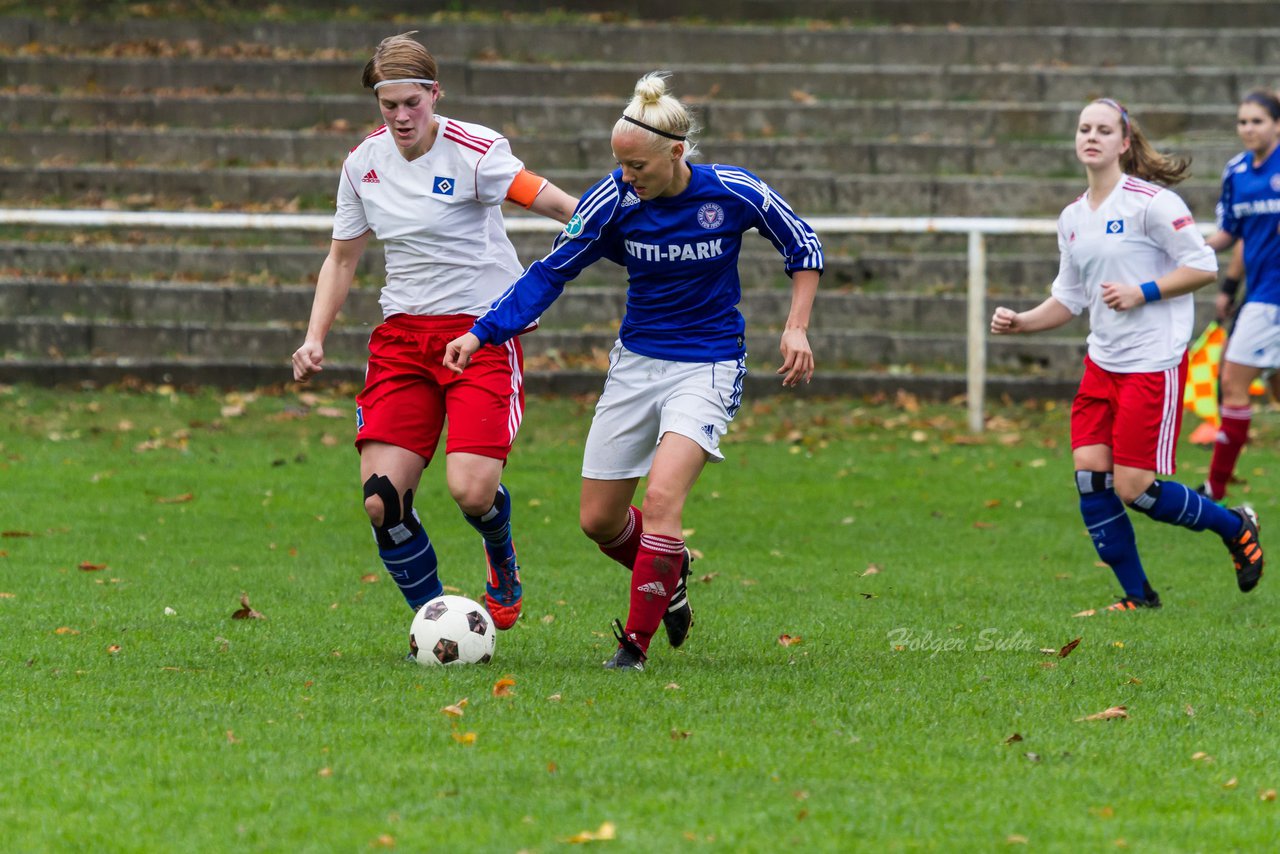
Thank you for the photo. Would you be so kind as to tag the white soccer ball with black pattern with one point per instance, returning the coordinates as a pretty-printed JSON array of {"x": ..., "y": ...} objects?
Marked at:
[{"x": 452, "y": 630}]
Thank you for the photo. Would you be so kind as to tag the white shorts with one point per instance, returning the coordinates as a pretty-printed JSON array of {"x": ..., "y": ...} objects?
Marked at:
[
  {"x": 644, "y": 399},
  {"x": 1255, "y": 340}
]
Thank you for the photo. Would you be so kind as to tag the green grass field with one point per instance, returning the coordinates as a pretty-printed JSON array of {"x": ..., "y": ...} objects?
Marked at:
[{"x": 914, "y": 708}]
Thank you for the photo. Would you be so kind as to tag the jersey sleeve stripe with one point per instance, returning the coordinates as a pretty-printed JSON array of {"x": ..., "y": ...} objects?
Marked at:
[{"x": 801, "y": 234}]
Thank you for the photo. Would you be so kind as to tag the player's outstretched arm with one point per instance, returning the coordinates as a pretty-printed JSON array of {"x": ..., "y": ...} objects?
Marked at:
[
  {"x": 336, "y": 275},
  {"x": 1049, "y": 314},
  {"x": 554, "y": 203},
  {"x": 797, "y": 356}
]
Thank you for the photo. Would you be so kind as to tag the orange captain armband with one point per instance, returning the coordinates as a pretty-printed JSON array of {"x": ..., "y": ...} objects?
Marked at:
[{"x": 525, "y": 188}]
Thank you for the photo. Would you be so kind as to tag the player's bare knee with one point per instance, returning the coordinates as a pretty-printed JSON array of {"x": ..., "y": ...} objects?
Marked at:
[
  {"x": 598, "y": 526},
  {"x": 473, "y": 500},
  {"x": 1129, "y": 488},
  {"x": 375, "y": 508}
]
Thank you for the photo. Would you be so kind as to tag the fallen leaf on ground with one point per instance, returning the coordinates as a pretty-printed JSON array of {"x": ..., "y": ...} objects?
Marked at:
[
  {"x": 1015, "y": 737},
  {"x": 85, "y": 566},
  {"x": 872, "y": 569},
  {"x": 231, "y": 737},
  {"x": 788, "y": 640},
  {"x": 8, "y": 596},
  {"x": 65, "y": 630},
  {"x": 246, "y": 611},
  {"x": 455, "y": 710},
  {"x": 16, "y": 534},
  {"x": 1231, "y": 784},
  {"x": 502, "y": 688},
  {"x": 606, "y": 833},
  {"x": 176, "y": 499},
  {"x": 1107, "y": 714},
  {"x": 1066, "y": 650},
  {"x": 113, "y": 649},
  {"x": 680, "y": 734},
  {"x": 467, "y": 738},
  {"x": 325, "y": 772},
  {"x": 370, "y": 578},
  {"x": 1088, "y": 613},
  {"x": 1201, "y": 756},
  {"x": 706, "y": 579},
  {"x": 1268, "y": 795}
]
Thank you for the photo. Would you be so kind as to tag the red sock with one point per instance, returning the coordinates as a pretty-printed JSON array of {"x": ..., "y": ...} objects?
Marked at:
[
  {"x": 1232, "y": 437},
  {"x": 623, "y": 548},
  {"x": 653, "y": 580}
]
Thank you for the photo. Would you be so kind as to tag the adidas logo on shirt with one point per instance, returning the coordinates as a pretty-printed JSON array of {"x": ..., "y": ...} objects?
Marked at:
[
  {"x": 370, "y": 177},
  {"x": 630, "y": 200}
]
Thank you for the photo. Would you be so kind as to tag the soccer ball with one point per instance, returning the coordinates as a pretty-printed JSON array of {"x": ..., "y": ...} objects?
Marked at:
[{"x": 452, "y": 630}]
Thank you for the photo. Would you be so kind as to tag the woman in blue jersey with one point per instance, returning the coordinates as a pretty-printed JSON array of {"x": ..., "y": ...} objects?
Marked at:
[
  {"x": 1132, "y": 256},
  {"x": 676, "y": 373},
  {"x": 1249, "y": 210}
]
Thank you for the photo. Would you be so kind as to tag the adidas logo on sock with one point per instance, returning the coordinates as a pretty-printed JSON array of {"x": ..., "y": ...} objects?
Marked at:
[
  {"x": 370, "y": 177},
  {"x": 654, "y": 587}
]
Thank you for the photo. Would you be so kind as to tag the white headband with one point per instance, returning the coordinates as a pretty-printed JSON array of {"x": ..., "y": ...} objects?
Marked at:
[{"x": 423, "y": 81}]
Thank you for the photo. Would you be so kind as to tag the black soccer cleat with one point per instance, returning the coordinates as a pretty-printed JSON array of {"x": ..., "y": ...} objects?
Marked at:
[
  {"x": 629, "y": 655},
  {"x": 1246, "y": 549},
  {"x": 678, "y": 618}
]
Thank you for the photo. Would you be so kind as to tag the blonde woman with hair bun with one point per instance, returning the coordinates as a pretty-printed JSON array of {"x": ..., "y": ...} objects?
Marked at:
[{"x": 676, "y": 372}]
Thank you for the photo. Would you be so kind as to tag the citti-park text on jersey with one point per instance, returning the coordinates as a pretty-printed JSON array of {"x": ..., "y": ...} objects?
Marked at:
[{"x": 701, "y": 250}]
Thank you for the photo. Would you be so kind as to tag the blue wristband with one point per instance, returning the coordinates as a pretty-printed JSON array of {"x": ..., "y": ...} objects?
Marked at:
[{"x": 1151, "y": 291}]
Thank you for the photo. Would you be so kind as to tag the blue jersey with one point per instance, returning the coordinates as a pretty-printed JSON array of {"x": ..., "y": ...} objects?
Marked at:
[
  {"x": 681, "y": 254},
  {"x": 1249, "y": 209}
]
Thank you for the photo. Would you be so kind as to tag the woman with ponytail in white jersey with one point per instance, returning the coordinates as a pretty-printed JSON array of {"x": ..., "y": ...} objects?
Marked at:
[
  {"x": 430, "y": 188},
  {"x": 675, "y": 375},
  {"x": 1132, "y": 255}
]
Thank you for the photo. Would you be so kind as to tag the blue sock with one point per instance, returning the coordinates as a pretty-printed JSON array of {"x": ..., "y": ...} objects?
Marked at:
[
  {"x": 412, "y": 565},
  {"x": 1171, "y": 502},
  {"x": 1112, "y": 532},
  {"x": 495, "y": 527}
]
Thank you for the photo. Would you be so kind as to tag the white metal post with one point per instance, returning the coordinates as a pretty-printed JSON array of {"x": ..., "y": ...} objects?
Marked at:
[{"x": 977, "y": 369}]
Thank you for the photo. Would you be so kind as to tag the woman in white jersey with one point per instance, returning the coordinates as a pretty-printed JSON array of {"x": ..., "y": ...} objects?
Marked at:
[
  {"x": 1132, "y": 255},
  {"x": 430, "y": 188},
  {"x": 675, "y": 375}
]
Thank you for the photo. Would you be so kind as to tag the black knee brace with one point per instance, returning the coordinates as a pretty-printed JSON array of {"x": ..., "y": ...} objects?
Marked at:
[{"x": 398, "y": 525}]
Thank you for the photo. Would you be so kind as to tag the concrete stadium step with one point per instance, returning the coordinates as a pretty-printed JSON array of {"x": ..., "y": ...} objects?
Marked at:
[
  {"x": 516, "y": 116},
  {"x": 1098, "y": 13},
  {"x": 809, "y": 193},
  {"x": 918, "y": 272},
  {"x": 850, "y": 80},
  {"x": 549, "y": 349},
  {"x": 566, "y": 39},
  {"x": 589, "y": 308},
  {"x": 246, "y": 374},
  {"x": 582, "y": 151}
]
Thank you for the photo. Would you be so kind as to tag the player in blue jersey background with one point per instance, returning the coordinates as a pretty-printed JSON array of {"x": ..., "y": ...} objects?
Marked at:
[
  {"x": 676, "y": 372},
  {"x": 1249, "y": 210}
]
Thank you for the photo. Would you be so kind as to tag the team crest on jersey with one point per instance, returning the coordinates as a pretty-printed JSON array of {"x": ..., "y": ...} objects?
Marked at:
[
  {"x": 1182, "y": 222},
  {"x": 710, "y": 215},
  {"x": 1115, "y": 226},
  {"x": 1275, "y": 182},
  {"x": 442, "y": 186},
  {"x": 574, "y": 227}
]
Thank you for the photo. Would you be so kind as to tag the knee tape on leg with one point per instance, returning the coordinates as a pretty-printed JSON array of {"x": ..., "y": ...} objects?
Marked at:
[
  {"x": 1094, "y": 481},
  {"x": 398, "y": 525}
]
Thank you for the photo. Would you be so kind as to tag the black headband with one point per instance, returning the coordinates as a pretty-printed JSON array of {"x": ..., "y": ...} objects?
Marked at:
[
  {"x": 653, "y": 129},
  {"x": 1268, "y": 103}
]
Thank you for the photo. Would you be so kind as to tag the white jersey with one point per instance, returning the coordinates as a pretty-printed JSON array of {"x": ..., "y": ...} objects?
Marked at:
[
  {"x": 438, "y": 216},
  {"x": 1139, "y": 233}
]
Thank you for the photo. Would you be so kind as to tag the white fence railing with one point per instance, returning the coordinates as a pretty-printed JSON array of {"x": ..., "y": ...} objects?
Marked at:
[{"x": 977, "y": 228}]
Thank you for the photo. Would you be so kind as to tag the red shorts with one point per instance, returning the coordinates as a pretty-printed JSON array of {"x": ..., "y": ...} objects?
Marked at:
[
  {"x": 1138, "y": 416},
  {"x": 408, "y": 394}
]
